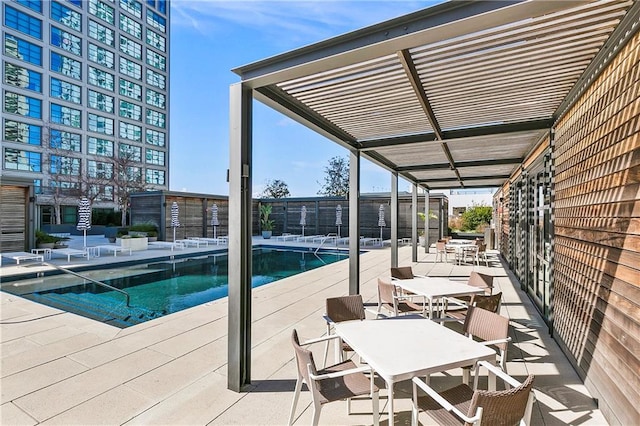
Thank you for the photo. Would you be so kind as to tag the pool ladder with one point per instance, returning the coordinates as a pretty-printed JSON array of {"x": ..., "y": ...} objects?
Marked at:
[{"x": 67, "y": 271}]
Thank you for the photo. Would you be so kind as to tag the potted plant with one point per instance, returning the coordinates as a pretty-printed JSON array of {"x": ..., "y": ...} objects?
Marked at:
[
  {"x": 44, "y": 240},
  {"x": 266, "y": 223}
]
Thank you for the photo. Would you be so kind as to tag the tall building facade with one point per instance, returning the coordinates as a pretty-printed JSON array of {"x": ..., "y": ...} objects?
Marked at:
[{"x": 85, "y": 92}]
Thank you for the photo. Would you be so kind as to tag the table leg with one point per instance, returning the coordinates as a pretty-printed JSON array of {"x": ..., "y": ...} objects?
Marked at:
[{"x": 390, "y": 398}]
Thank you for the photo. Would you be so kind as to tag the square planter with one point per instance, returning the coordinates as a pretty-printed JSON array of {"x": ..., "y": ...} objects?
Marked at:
[{"x": 135, "y": 244}]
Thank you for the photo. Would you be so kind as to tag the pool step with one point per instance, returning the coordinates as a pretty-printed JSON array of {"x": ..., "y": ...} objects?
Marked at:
[{"x": 96, "y": 307}]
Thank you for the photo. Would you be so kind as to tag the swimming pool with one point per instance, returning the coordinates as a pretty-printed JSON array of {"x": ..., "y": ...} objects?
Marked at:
[{"x": 161, "y": 288}]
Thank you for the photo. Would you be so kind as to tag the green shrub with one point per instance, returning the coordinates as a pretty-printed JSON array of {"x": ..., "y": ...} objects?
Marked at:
[
  {"x": 144, "y": 227},
  {"x": 476, "y": 218}
]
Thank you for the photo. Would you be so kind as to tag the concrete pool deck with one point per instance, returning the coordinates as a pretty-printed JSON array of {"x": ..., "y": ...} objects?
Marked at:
[{"x": 60, "y": 368}]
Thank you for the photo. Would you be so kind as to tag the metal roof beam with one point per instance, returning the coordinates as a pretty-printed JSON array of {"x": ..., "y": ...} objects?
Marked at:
[
  {"x": 461, "y": 164},
  {"x": 471, "y": 132},
  {"x": 464, "y": 179},
  {"x": 414, "y": 80}
]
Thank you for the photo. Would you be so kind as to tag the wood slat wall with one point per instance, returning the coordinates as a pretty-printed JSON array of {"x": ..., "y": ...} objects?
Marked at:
[
  {"x": 597, "y": 237},
  {"x": 13, "y": 201}
]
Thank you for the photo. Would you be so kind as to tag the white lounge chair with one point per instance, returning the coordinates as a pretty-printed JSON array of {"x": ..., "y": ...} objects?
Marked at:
[
  {"x": 25, "y": 256},
  {"x": 167, "y": 244},
  {"x": 113, "y": 249},
  {"x": 70, "y": 252},
  {"x": 287, "y": 237}
]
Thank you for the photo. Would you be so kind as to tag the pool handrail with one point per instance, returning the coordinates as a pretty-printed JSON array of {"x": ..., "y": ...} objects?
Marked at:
[{"x": 65, "y": 270}]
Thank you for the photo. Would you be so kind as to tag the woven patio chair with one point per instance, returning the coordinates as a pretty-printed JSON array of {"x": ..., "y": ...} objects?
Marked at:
[
  {"x": 334, "y": 383},
  {"x": 458, "y": 312},
  {"x": 391, "y": 300},
  {"x": 343, "y": 308},
  {"x": 404, "y": 273},
  {"x": 464, "y": 405}
]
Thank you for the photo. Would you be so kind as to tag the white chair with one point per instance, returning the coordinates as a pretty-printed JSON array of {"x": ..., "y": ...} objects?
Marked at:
[
  {"x": 334, "y": 383},
  {"x": 464, "y": 405},
  {"x": 395, "y": 303}
]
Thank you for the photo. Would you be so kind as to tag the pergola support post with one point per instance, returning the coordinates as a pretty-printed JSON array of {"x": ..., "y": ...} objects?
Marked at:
[
  {"x": 426, "y": 221},
  {"x": 240, "y": 150},
  {"x": 414, "y": 223},
  {"x": 394, "y": 219},
  {"x": 354, "y": 222}
]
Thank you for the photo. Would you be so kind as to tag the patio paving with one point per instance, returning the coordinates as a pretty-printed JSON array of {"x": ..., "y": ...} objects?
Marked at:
[{"x": 60, "y": 368}]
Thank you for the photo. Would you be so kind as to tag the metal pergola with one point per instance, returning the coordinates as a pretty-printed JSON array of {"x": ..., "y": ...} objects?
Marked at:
[{"x": 453, "y": 96}]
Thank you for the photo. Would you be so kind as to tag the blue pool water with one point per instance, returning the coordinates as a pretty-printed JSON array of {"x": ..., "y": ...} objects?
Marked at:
[{"x": 162, "y": 288}]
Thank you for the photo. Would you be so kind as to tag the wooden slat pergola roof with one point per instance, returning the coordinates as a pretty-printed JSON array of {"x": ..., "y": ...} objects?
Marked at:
[{"x": 451, "y": 96}]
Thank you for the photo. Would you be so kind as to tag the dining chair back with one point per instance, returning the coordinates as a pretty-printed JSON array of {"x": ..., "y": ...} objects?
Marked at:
[
  {"x": 343, "y": 308},
  {"x": 472, "y": 406},
  {"x": 341, "y": 381},
  {"x": 402, "y": 273},
  {"x": 477, "y": 279},
  {"x": 491, "y": 328}
]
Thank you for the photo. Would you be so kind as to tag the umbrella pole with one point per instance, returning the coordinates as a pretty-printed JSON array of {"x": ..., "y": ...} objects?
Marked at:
[
  {"x": 174, "y": 234},
  {"x": 214, "y": 232},
  {"x": 85, "y": 237},
  {"x": 381, "y": 234}
]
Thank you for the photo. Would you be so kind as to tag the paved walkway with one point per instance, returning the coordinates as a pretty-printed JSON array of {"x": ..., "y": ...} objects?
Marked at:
[{"x": 60, "y": 368}]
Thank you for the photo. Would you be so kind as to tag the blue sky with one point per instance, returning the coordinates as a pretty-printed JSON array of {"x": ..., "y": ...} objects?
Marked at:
[{"x": 208, "y": 39}]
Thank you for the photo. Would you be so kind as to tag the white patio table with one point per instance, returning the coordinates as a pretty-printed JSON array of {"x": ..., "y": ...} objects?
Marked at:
[
  {"x": 434, "y": 288},
  {"x": 402, "y": 348}
]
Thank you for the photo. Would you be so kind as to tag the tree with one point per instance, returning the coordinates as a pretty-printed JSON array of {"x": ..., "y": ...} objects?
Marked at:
[
  {"x": 275, "y": 189},
  {"x": 336, "y": 179},
  {"x": 127, "y": 178},
  {"x": 476, "y": 218}
]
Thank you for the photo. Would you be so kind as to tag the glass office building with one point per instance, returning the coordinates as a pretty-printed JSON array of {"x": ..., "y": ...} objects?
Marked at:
[{"x": 85, "y": 82}]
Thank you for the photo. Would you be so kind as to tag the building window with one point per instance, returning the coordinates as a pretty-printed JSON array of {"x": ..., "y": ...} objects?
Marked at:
[
  {"x": 66, "y": 41},
  {"x": 22, "y": 22},
  {"x": 156, "y": 40},
  {"x": 100, "y": 124},
  {"x": 130, "y": 110},
  {"x": 15, "y": 131},
  {"x": 162, "y": 6},
  {"x": 155, "y": 118},
  {"x": 131, "y": 152},
  {"x": 156, "y": 99},
  {"x": 100, "y": 101},
  {"x": 77, "y": 3},
  {"x": 101, "y": 33},
  {"x": 22, "y": 77},
  {"x": 100, "y": 78},
  {"x": 65, "y": 140},
  {"x": 101, "y": 192},
  {"x": 18, "y": 159},
  {"x": 22, "y": 105},
  {"x": 66, "y": 16},
  {"x": 22, "y": 49},
  {"x": 130, "y": 26},
  {"x": 134, "y": 174},
  {"x": 65, "y": 91},
  {"x": 155, "y": 177},
  {"x": 132, "y": 90},
  {"x": 101, "y": 56},
  {"x": 132, "y": 6},
  {"x": 151, "y": 3},
  {"x": 98, "y": 146},
  {"x": 156, "y": 79},
  {"x": 156, "y": 21},
  {"x": 66, "y": 66},
  {"x": 68, "y": 166},
  {"x": 101, "y": 10},
  {"x": 99, "y": 170},
  {"x": 155, "y": 157},
  {"x": 65, "y": 115},
  {"x": 130, "y": 131},
  {"x": 155, "y": 138},
  {"x": 37, "y": 186},
  {"x": 130, "y": 47},
  {"x": 31, "y": 4},
  {"x": 130, "y": 68},
  {"x": 156, "y": 60}
]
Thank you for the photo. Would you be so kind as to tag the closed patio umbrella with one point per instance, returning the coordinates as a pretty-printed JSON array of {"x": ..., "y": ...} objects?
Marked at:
[
  {"x": 303, "y": 218},
  {"x": 214, "y": 218},
  {"x": 338, "y": 218},
  {"x": 174, "y": 218},
  {"x": 84, "y": 217},
  {"x": 381, "y": 222}
]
